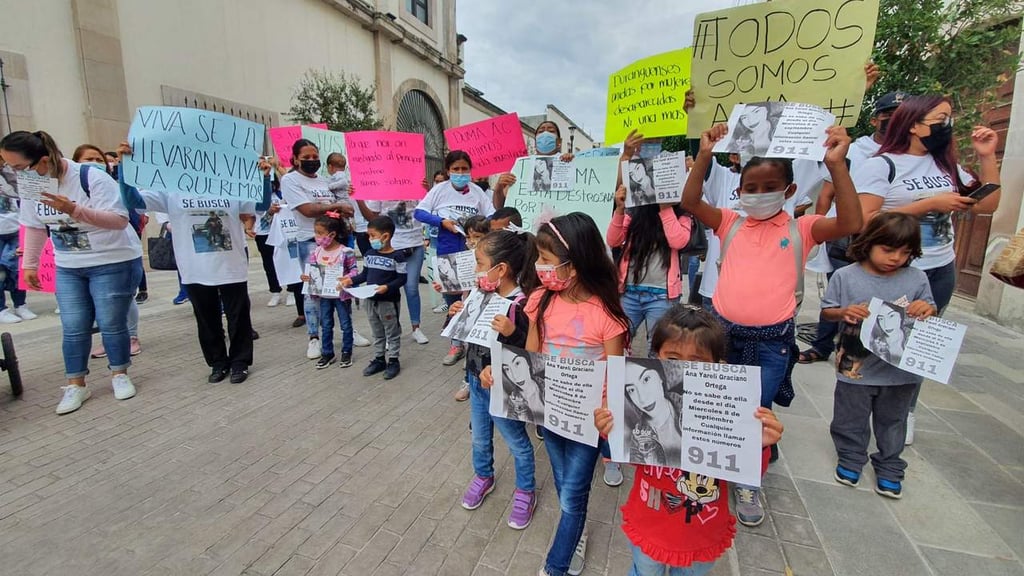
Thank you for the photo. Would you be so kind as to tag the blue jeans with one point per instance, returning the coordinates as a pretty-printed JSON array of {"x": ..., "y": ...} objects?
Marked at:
[
  {"x": 9, "y": 271},
  {"x": 413, "y": 269},
  {"x": 644, "y": 565},
  {"x": 327, "y": 308},
  {"x": 513, "y": 431},
  {"x": 310, "y": 307},
  {"x": 773, "y": 358},
  {"x": 100, "y": 294},
  {"x": 942, "y": 281},
  {"x": 692, "y": 269},
  {"x": 641, "y": 306},
  {"x": 572, "y": 467}
]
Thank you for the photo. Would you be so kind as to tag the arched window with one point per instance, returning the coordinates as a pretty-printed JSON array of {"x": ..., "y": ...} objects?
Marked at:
[{"x": 417, "y": 113}]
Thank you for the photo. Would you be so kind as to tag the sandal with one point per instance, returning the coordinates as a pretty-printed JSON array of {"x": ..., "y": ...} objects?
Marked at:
[{"x": 810, "y": 356}]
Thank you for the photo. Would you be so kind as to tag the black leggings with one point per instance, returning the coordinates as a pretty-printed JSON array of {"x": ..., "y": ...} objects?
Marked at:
[{"x": 267, "y": 255}]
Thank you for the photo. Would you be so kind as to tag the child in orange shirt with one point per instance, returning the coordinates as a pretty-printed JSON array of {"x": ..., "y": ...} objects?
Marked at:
[{"x": 761, "y": 266}]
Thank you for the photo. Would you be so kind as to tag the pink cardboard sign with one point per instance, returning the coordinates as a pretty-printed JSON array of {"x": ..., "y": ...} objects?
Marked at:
[
  {"x": 283, "y": 137},
  {"x": 493, "y": 144},
  {"x": 386, "y": 165},
  {"x": 47, "y": 271}
]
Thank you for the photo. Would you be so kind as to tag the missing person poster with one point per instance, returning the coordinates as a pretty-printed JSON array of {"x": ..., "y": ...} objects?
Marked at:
[
  {"x": 456, "y": 272},
  {"x": 656, "y": 179},
  {"x": 473, "y": 323},
  {"x": 927, "y": 348},
  {"x": 695, "y": 416},
  {"x": 777, "y": 130},
  {"x": 559, "y": 393}
]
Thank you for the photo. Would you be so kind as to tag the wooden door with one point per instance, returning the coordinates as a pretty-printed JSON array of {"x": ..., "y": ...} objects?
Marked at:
[{"x": 972, "y": 230}]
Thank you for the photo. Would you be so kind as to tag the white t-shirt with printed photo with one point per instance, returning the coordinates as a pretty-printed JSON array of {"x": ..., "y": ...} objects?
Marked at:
[
  {"x": 283, "y": 232},
  {"x": 917, "y": 178},
  {"x": 408, "y": 230},
  {"x": 450, "y": 204},
  {"x": 298, "y": 189},
  {"x": 77, "y": 244},
  {"x": 209, "y": 242}
]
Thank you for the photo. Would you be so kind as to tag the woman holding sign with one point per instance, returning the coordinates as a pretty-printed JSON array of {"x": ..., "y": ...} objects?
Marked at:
[
  {"x": 916, "y": 172},
  {"x": 447, "y": 206},
  {"x": 650, "y": 237},
  {"x": 548, "y": 142},
  {"x": 98, "y": 256},
  {"x": 309, "y": 196}
]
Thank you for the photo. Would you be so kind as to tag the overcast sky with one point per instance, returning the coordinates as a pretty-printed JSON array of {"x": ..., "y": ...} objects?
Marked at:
[{"x": 527, "y": 54}]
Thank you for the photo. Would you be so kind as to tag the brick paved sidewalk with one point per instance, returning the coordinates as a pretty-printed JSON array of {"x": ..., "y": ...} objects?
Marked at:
[{"x": 300, "y": 471}]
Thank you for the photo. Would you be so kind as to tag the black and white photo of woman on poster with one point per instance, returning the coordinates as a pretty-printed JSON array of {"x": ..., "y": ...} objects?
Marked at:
[
  {"x": 518, "y": 391},
  {"x": 886, "y": 330},
  {"x": 639, "y": 176},
  {"x": 542, "y": 168},
  {"x": 652, "y": 430}
]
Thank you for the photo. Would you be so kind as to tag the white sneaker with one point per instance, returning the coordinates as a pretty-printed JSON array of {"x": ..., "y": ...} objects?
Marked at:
[
  {"x": 73, "y": 398},
  {"x": 440, "y": 308},
  {"x": 290, "y": 300},
  {"x": 910, "y": 429},
  {"x": 123, "y": 387},
  {"x": 275, "y": 299},
  {"x": 359, "y": 340},
  {"x": 24, "y": 313},
  {"x": 419, "y": 336},
  {"x": 313, "y": 350},
  {"x": 579, "y": 556},
  {"x": 9, "y": 317},
  {"x": 56, "y": 310}
]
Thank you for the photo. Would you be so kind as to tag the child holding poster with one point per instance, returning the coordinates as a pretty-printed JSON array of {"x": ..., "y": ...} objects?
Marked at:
[
  {"x": 336, "y": 260},
  {"x": 576, "y": 314},
  {"x": 763, "y": 254},
  {"x": 869, "y": 390},
  {"x": 671, "y": 516},
  {"x": 504, "y": 265}
]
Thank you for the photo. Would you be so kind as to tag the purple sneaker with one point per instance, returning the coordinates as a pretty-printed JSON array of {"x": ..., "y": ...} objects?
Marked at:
[
  {"x": 522, "y": 509},
  {"x": 478, "y": 489}
]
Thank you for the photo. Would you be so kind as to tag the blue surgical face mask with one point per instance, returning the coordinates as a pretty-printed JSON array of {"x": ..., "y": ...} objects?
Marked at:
[
  {"x": 376, "y": 243},
  {"x": 546, "y": 143},
  {"x": 459, "y": 180}
]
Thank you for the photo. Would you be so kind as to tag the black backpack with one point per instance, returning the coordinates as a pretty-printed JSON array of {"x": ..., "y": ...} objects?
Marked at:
[{"x": 837, "y": 248}]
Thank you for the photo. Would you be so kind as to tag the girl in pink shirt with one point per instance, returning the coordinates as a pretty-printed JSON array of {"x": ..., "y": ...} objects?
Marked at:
[
  {"x": 756, "y": 293},
  {"x": 575, "y": 314},
  {"x": 650, "y": 238}
]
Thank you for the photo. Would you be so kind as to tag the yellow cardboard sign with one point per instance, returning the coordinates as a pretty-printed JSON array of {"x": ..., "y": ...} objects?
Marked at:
[
  {"x": 788, "y": 50},
  {"x": 648, "y": 96}
]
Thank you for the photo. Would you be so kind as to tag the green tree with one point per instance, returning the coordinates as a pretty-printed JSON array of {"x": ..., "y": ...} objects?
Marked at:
[
  {"x": 964, "y": 49},
  {"x": 338, "y": 100}
]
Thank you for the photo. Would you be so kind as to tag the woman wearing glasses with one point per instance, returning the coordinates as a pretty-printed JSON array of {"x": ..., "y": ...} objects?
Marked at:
[{"x": 916, "y": 171}]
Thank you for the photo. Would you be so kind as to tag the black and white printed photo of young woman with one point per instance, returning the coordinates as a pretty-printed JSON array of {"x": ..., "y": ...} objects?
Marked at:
[
  {"x": 522, "y": 382},
  {"x": 889, "y": 332},
  {"x": 474, "y": 307},
  {"x": 755, "y": 128},
  {"x": 653, "y": 422},
  {"x": 447, "y": 277},
  {"x": 640, "y": 183},
  {"x": 542, "y": 168}
]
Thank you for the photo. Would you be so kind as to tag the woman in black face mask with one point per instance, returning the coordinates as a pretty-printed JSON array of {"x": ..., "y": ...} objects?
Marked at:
[
  {"x": 308, "y": 195},
  {"x": 916, "y": 172}
]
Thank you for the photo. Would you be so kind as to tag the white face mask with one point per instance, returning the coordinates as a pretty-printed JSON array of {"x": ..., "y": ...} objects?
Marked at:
[{"x": 762, "y": 206}]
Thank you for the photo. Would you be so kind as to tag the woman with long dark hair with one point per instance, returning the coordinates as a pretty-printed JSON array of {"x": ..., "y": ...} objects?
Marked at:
[
  {"x": 98, "y": 257},
  {"x": 916, "y": 172},
  {"x": 650, "y": 238}
]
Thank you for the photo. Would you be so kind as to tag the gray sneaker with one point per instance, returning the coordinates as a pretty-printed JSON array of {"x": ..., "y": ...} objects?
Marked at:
[
  {"x": 612, "y": 474},
  {"x": 749, "y": 510},
  {"x": 579, "y": 556}
]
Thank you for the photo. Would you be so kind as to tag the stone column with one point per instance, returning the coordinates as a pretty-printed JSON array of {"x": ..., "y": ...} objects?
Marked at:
[{"x": 98, "y": 30}]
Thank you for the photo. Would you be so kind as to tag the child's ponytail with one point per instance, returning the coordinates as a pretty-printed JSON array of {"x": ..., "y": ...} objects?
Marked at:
[{"x": 519, "y": 251}]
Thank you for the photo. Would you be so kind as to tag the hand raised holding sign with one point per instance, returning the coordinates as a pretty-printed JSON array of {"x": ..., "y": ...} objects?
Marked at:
[
  {"x": 709, "y": 138},
  {"x": 620, "y": 200},
  {"x": 838, "y": 144},
  {"x": 631, "y": 147}
]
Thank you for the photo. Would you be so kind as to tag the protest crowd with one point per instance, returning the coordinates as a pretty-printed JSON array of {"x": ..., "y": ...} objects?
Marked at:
[{"x": 714, "y": 275}]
